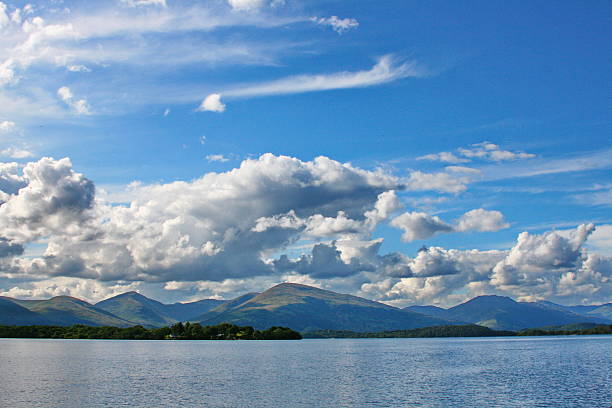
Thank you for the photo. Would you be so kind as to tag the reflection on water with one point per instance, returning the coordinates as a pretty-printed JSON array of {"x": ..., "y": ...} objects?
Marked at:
[{"x": 492, "y": 372}]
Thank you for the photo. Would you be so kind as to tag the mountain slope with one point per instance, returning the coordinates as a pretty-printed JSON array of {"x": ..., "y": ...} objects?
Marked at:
[
  {"x": 191, "y": 311},
  {"x": 602, "y": 311},
  {"x": 66, "y": 311},
  {"x": 226, "y": 306},
  {"x": 305, "y": 308},
  {"x": 434, "y": 311},
  {"x": 499, "y": 312},
  {"x": 11, "y": 313},
  {"x": 136, "y": 308}
]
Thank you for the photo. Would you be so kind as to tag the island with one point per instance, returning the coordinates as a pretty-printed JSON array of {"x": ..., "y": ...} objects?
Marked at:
[{"x": 178, "y": 331}]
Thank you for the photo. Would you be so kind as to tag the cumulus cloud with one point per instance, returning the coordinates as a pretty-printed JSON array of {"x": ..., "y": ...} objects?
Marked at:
[
  {"x": 482, "y": 220},
  {"x": 79, "y": 106},
  {"x": 339, "y": 25},
  {"x": 545, "y": 266},
  {"x": 386, "y": 69},
  {"x": 87, "y": 289},
  {"x": 220, "y": 226},
  {"x": 325, "y": 262},
  {"x": 272, "y": 218},
  {"x": 51, "y": 199},
  {"x": 212, "y": 103},
  {"x": 418, "y": 225}
]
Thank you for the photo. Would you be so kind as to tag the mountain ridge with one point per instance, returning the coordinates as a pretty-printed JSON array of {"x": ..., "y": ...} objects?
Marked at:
[{"x": 300, "y": 307}]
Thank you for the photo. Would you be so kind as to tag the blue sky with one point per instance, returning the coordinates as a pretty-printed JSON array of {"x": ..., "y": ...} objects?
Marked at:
[{"x": 479, "y": 130}]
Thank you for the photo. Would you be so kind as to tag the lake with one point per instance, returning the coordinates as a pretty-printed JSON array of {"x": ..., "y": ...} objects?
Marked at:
[{"x": 457, "y": 372}]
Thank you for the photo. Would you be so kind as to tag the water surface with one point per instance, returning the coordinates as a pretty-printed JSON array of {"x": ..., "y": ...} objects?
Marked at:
[{"x": 458, "y": 372}]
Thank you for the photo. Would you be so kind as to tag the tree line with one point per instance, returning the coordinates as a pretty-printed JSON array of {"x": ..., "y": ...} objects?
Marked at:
[
  {"x": 468, "y": 330},
  {"x": 178, "y": 331}
]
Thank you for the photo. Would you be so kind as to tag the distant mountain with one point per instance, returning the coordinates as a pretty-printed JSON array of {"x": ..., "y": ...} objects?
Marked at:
[
  {"x": 139, "y": 309},
  {"x": 503, "y": 313},
  {"x": 183, "y": 312},
  {"x": 434, "y": 311},
  {"x": 603, "y": 311},
  {"x": 148, "y": 312},
  {"x": 11, "y": 313},
  {"x": 66, "y": 311},
  {"x": 226, "y": 306},
  {"x": 302, "y": 308},
  {"x": 305, "y": 308}
]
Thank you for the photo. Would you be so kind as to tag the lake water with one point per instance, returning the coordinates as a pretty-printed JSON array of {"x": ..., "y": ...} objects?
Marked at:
[{"x": 467, "y": 372}]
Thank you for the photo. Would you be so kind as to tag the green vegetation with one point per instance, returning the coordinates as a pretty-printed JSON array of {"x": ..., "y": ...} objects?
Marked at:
[
  {"x": 602, "y": 329},
  {"x": 178, "y": 331},
  {"x": 468, "y": 330}
]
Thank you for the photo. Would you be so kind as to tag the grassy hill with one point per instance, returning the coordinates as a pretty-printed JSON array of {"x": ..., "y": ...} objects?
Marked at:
[
  {"x": 67, "y": 311},
  {"x": 136, "y": 308},
  {"x": 11, "y": 313},
  {"x": 305, "y": 308}
]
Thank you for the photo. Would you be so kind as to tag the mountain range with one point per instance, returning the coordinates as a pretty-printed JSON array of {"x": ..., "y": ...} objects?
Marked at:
[{"x": 300, "y": 307}]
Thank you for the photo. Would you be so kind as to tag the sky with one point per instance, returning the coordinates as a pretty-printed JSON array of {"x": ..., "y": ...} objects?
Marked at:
[{"x": 407, "y": 152}]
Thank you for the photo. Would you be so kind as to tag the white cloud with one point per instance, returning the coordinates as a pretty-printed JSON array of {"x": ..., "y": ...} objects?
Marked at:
[
  {"x": 78, "y": 68},
  {"x": 4, "y": 17},
  {"x": 80, "y": 106},
  {"x": 339, "y": 25},
  {"x": 16, "y": 153},
  {"x": 217, "y": 158},
  {"x": 144, "y": 3},
  {"x": 387, "y": 69},
  {"x": 212, "y": 103},
  {"x": 246, "y": 5},
  {"x": 446, "y": 157},
  {"x": 419, "y": 225},
  {"x": 87, "y": 289},
  {"x": 203, "y": 230},
  {"x": 247, "y": 227},
  {"x": 547, "y": 266},
  {"x": 443, "y": 182},
  {"x": 6, "y": 126},
  {"x": 484, "y": 151},
  {"x": 482, "y": 220},
  {"x": 603, "y": 198},
  {"x": 492, "y": 152},
  {"x": 601, "y": 240}
]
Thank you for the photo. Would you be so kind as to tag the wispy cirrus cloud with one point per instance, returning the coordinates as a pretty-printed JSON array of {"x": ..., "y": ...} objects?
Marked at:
[
  {"x": 387, "y": 69},
  {"x": 339, "y": 25}
]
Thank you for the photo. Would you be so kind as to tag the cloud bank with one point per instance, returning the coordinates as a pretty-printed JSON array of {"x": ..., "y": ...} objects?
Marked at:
[{"x": 273, "y": 218}]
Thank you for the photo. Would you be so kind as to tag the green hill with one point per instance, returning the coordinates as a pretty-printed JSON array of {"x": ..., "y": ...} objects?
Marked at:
[
  {"x": 183, "y": 312},
  {"x": 67, "y": 311},
  {"x": 305, "y": 308},
  {"x": 11, "y": 313},
  {"x": 136, "y": 308}
]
